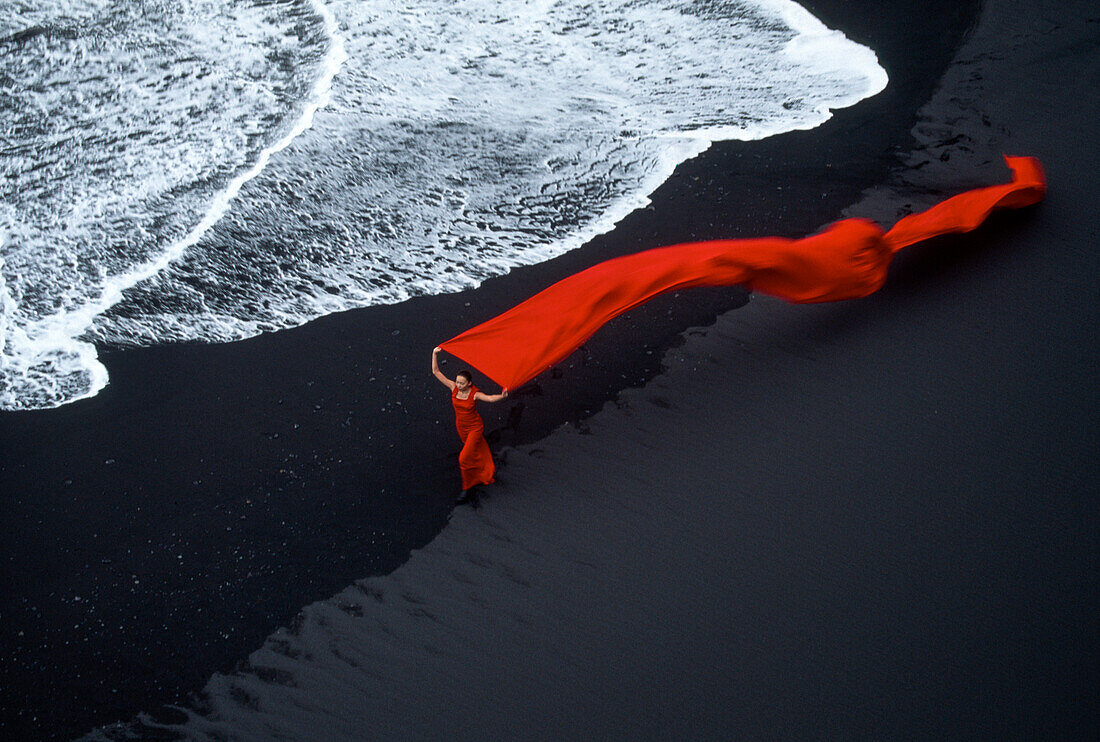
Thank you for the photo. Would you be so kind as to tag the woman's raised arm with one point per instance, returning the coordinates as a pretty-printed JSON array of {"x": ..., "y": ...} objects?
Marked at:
[{"x": 439, "y": 374}]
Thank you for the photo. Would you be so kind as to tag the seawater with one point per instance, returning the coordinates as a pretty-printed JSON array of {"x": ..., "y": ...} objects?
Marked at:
[{"x": 208, "y": 170}]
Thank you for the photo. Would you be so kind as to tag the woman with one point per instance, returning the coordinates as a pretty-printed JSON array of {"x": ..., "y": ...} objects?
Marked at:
[{"x": 475, "y": 460}]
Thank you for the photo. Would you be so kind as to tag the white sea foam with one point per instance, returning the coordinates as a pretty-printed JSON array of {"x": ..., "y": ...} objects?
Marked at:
[
  {"x": 456, "y": 141},
  {"x": 208, "y": 145}
]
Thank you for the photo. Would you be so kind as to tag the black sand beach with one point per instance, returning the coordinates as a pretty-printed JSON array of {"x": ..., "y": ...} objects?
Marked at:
[{"x": 869, "y": 519}]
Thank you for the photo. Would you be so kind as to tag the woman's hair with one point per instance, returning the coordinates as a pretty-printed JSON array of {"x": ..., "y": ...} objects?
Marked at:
[{"x": 467, "y": 374}]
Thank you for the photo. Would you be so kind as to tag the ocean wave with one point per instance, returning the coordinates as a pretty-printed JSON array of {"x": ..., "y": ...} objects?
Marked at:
[
  {"x": 459, "y": 141},
  {"x": 126, "y": 139}
]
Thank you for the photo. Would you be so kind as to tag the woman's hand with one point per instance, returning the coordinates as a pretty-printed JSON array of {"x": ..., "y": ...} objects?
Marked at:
[
  {"x": 504, "y": 394},
  {"x": 436, "y": 349}
]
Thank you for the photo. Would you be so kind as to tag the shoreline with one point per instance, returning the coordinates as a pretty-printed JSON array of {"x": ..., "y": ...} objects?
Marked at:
[{"x": 88, "y": 340}]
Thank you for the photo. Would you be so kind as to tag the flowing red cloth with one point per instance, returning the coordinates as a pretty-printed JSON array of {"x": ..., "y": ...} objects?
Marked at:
[
  {"x": 475, "y": 460},
  {"x": 846, "y": 261}
]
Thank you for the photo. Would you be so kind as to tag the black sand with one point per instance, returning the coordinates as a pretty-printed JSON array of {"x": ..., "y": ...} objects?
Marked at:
[{"x": 873, "y": 518}]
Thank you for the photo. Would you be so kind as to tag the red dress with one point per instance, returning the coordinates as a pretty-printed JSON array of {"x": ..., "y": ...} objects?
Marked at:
[{"x": 475, "y": 460}]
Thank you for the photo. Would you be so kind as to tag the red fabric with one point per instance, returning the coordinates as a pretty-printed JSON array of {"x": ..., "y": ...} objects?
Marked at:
[
  {"x": 846, "y": 261},
  {"x": 475, "y": 460}
]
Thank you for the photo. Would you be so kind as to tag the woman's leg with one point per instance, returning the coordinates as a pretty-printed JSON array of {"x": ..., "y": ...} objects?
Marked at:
[{"x": 476, "y": 461}]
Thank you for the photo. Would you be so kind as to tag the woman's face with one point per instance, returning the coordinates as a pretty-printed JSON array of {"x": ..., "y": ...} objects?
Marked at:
[{"x": 462, "y": 383}]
